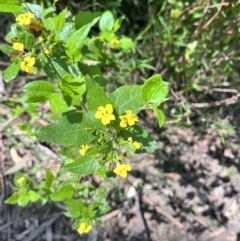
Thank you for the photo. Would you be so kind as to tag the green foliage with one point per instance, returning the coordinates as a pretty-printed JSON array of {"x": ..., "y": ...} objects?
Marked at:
[
  {"x": 10, "y": 6},
  {"x": 95, "y": 127}
]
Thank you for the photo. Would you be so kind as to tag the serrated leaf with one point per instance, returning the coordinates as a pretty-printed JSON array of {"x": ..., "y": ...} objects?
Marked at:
[
  {"x": 10, "y": 6},
  {"x": 63, "y": 193},
  {"x": 58, "y": 104},
  {"x": 85, "y": 165},
  {"x": 74, "y": 207},
  {"x": 106, "y": 22},
  {"x": 38, "y": 91},
  {"x": 128, "y": 98},
  {"x": 71, "y": 130},
  {"x": 95, "y": 95},
  {"x": 161, "y": 117},
  {"x": 55, "y": 67},
  {"x": 148, "y": 144},
  {"x": 84, "y": 18},
  {"x": 11, "y": 71},
  {"x": 155, "y": 90}
]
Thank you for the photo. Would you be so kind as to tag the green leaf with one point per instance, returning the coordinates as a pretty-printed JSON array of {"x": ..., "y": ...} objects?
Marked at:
[
  {"x": 128, "y": 98},
  {"x": 154, "y": 90},
  {"x": 26, "y": 39},
  {"x": 85, "y": 165},
  {"x": 95, "y": 95},
  {"x": 72, "y": 129},
  {"x": 38, "y": 91},
  {"x": 73, "y": 87},
  {"x": 76, "y": 41},
  {"x": 126, "y": 43},
  {"x": 159, "y": 114},
  {"x": 84, "y": 18},
  {"x": 14, "y": 198},
  {"x": 55, "y": 67},
  {"x": 11, "y": 71},
  {"x": 60, "y": 20},
  {"x": 33, "y": 196},
  {"x": 118, "y": 23},
  {"x": 75, "y": 207},
  {"x": 36, "y": 9},
  {"x": 58, "y": 104},
  {"x": 148, "y": 144},
  {"x": 8, "y": 50},
  {"x": 23, "y": 199},
  {"x": 106, "y": 21},
  {"x": 49, "y": 176},
  {"x": 63, "y": 193},
  {"x": 10, "y": 6},
  {"x": 68, "y": 30},
  {"x": 49, "y": 24}
]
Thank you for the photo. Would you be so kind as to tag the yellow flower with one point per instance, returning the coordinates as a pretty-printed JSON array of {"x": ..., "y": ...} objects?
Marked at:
[
  {"x": 115, "y": 43},
  {"x": 47, "y": 51},
  {"x": 84, "y": 228},
  {"x": 20, "y": 180},
  {"x": 24, "y": 19},
  {"x": 40, "y": 39},
  {"x": 27, "y": 64},
  {"x": 83, "y": 149},
  {"x": 129, "y": 119},
  {"x": 18, "y": 46},
  {"x": 105, "y": 114},
  {"x": 136, "y": 144},
  {"x": 121, "y": 170}
]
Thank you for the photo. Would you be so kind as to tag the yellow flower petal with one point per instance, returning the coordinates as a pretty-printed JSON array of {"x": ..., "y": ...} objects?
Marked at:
[
  {"x": 20, "y": 180},
  {"x": 84, "y": 228},
  {"x": 18, "y": 46},
  {"x": 115, "y": 43},
  {"x": 105, "y": 114},
  {"x": 129, "y": 119},
  {"x": 83, "y": 149},
  {"x": 121, "y": 170},
  {"x": 24, "y": 19}
]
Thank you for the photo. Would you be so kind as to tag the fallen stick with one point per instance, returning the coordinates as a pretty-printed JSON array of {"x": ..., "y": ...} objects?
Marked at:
[{"x": 159, "y": 210}]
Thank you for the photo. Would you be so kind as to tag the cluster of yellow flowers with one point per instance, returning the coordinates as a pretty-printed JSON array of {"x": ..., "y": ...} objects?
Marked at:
[
  {"x": 84, "y": 228},
  {"x": 27, "y": 64},
  {"x": 105, "y": 114},
  {"x": 115, "y": 43}
]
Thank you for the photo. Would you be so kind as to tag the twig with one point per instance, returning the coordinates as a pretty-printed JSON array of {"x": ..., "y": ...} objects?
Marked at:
[
  {"x": 159, "y": 210},
  {"x": 110, "y": 215},
  {"x": 139, "y": 215},
  {"x": 228, "y": 101},
  {"x": 214, "y": 16},
  {"x": 42, "y": 227}
]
